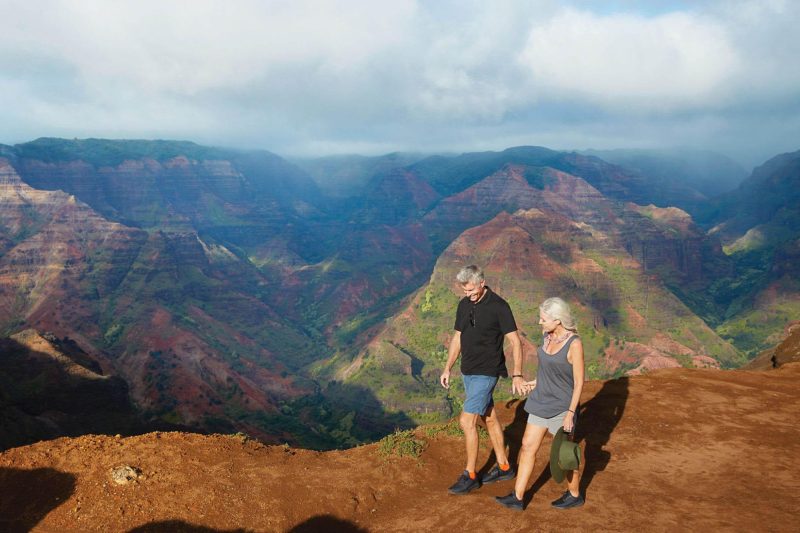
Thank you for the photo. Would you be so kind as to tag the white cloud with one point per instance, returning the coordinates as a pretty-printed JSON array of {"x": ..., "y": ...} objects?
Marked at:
[
  {"x": 185, "y": 47},
  {"x": 625, "y": 60},
  {"x": 767, "y": 41},
  {"x": 308, "y": 74}
]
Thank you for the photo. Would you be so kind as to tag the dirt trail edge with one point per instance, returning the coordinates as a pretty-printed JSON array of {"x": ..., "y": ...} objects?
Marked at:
[{"x": 672, "y": 450}]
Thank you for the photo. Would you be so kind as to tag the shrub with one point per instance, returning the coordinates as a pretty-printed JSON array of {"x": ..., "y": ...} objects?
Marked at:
[{"x": 402, "y": 444}]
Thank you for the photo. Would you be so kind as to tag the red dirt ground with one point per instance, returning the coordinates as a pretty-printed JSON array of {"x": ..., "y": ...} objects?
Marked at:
[{"x": 674, "y": 450}]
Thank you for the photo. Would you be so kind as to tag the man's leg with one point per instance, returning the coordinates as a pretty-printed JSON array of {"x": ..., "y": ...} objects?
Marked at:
[
  {"x": 495, "y": 430},
  {"x": 468, "y": 422}
]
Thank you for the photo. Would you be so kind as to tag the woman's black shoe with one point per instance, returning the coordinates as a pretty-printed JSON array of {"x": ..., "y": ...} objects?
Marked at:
[
  {"x": 511, "y": 501},
  {"x": 568, "y": 501}
]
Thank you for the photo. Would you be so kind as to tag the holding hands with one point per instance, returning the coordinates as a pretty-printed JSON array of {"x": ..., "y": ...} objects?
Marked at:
[{"x": 521, "y": 387}]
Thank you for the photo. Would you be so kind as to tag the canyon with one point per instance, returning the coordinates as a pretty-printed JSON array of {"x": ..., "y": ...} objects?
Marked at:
[{"x": 232, "y": 291}]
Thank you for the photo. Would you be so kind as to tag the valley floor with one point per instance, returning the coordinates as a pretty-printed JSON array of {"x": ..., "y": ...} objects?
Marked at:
[{"x": 675, "y": 450}]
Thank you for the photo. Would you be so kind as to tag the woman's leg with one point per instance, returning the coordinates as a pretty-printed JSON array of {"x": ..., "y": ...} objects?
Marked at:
[
  {"x": 574, "y": 481},
  {"x": 531, "y": 441}
]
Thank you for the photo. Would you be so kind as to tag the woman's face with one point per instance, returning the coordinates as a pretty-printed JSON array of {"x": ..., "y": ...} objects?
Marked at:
[{"x": 548, "y": 324}]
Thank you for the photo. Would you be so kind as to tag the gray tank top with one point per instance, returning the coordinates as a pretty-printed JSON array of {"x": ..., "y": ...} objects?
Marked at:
[{"x": 554, "y": 383}]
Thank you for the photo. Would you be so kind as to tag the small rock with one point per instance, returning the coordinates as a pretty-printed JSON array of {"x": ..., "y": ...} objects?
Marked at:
[{"x": 122, "y": 475}]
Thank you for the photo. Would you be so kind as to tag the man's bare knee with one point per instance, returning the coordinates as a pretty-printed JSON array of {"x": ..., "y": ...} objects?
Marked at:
[{"x": 467, "y": 421}]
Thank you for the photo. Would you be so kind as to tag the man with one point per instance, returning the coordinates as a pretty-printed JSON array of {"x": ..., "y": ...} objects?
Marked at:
[{"x": 483, "y": 321}]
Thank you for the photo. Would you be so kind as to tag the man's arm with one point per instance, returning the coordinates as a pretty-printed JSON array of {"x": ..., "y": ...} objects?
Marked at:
[
  {"x": 453, "y": 351},
  {"x": 517, "y": 382}
]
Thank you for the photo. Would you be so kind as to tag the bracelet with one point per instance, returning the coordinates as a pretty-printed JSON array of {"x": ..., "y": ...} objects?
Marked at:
[
  {"x": 517, "y": 376},
  {"x": 571, "y": 411}
]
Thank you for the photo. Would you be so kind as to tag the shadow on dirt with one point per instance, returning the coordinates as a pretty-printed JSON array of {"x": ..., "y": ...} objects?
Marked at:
[
  {"x": 177, "y": 526},
  {"x": 327, "y": 523},
  {"x": 596, "y": 421},
  {"x": 598, "y": 418},
  {"x": 27, "y": 496}
]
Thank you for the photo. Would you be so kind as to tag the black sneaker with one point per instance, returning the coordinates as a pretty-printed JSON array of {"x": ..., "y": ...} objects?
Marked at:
[
  {"x": 569, "y": 501},
  {"x": 495, "y": 474},
  {"x": 560, "y": 500},
  {"x": 464, "y": 484},
  {"x": 511, "y": 501}
]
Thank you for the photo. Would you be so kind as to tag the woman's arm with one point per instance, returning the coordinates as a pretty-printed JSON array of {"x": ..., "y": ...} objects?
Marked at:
[{"x": 575, "y": 357}]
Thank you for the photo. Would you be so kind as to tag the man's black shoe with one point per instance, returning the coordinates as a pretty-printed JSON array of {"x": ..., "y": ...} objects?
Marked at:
[
  {"x": 569, "y": 501},
  {"x": 560, "y": 500},
  {"x": 511, "y": 501},
  {"x": 464, "y": 484},
  {"x": 495, "y": 474}
]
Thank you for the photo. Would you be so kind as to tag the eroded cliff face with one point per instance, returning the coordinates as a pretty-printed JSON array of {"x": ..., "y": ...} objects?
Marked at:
[
  {"x": 629, "y": 322},
  {"x": 49, "y": 388},
  {"x": 664, "y": 240},
  {"x": 177, "y": 193},
  {"x": 59, "y": 256},
  {"x": 765, "y": 205},
  {"x": 759, "y": 223},
  {"x": 629, "y": 184},
  {"x": 399, "y": 197},
  {"x": 172, "y": 315}
]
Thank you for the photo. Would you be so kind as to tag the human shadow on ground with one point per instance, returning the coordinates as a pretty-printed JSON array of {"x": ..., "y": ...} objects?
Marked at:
[
  {"x": 27, "y": 496},
  {"x": 597, "y": 419},
  {"x": 327, "y": 523},
  {"x": 178, "y": 526}
]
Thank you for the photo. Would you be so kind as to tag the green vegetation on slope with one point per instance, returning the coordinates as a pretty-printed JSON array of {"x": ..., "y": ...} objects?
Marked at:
[{"x": 104, "y": 152}]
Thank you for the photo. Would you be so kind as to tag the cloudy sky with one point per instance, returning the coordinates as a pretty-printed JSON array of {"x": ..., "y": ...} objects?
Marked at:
[{"x": 314, "y": 77}]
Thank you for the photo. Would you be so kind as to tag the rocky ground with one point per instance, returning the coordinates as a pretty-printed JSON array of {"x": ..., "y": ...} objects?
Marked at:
[{"x": 677, "y": 449}]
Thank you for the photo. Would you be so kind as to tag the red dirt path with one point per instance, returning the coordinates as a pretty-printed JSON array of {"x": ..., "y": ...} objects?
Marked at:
[{"x": 675, "y": 450}]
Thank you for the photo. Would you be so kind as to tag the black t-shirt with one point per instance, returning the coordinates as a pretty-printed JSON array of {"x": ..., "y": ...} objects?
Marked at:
[{"x": 482, "y": 344}]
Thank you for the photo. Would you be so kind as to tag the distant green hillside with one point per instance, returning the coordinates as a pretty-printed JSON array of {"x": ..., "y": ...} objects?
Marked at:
[
  {"x": 759, "y": 224},
  {"x": 105, "y": 152}
]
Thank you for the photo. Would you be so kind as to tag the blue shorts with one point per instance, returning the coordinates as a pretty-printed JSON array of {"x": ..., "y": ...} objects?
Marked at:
[{"x": 479, "y": 393}]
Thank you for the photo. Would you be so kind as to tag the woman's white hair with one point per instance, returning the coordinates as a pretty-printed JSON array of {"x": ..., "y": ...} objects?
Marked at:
[{"x": 558, "y": 309}]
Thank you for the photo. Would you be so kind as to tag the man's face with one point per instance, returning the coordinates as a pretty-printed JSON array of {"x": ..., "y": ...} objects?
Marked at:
[{"x": 473, "y": 290}]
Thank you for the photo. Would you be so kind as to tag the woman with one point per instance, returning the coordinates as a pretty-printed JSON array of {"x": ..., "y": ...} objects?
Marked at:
[{"x": 553, "y": 399}]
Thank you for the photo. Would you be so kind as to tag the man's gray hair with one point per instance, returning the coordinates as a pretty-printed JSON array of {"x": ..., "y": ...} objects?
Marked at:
[{"x": 470, "y": 274}]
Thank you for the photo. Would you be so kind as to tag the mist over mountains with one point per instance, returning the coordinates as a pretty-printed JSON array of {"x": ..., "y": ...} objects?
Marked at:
[{"x": 310, "y": 301}]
